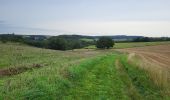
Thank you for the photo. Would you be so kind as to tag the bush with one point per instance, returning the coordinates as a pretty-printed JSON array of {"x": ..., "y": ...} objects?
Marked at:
[
  {"x": 60, "y": 43},
  {"x": 57, "y": 43},
  {"x": 11, "y": 38},
  {"x": 142, "y": 39},
  {"x": 104, "y": 43}
]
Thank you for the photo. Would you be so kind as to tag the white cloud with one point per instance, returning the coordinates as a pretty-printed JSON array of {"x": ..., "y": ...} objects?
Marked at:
[{"x": 146, "y": 28}]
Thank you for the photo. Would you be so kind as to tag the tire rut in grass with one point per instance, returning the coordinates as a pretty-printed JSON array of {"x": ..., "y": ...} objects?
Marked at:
[
  {"x": 100, "y": 82},
  {"x": 141, "y": 81},
  {"x": 130, "y": 88}
]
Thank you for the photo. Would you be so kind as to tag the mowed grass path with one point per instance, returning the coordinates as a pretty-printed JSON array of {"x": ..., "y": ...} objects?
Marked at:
[
  {"x": 96, "y": 80},
  {"x": 103, "y": 78},
  {"x": 76, "y": 75}
]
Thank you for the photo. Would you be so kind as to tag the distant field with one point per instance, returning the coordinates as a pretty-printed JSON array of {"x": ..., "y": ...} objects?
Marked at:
[
  {"x": 133, "y": 44},
  {"x": 88, "y": 40},
  {"x": 78, "y": 74}
]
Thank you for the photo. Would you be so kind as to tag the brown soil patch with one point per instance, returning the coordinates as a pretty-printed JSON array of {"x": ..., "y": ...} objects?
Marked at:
[{"x": 18, "y": 70}]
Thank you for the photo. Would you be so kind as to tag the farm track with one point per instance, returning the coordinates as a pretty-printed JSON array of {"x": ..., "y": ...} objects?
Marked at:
[{"x": 159, "y": 55}]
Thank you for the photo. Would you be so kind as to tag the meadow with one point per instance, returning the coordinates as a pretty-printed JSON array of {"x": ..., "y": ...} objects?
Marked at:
[{"x": 76, "y": 74}]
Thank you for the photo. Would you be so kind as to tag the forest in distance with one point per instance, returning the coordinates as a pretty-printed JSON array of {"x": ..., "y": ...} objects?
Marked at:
[{"x": 69, "y": 42}]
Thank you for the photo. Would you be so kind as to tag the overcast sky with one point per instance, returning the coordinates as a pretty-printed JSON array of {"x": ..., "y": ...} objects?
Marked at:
[{"x": 86, "y": 17}]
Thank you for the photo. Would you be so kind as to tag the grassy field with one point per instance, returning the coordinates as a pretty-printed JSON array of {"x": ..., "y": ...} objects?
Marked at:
[
  {"x": 132, "y": 44},
  {"x": 88, "y": 40},
  {"x": 79, "y": 74}
]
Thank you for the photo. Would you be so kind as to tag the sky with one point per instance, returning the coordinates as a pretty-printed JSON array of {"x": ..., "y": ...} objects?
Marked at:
[{"x": 86, "y": 17}]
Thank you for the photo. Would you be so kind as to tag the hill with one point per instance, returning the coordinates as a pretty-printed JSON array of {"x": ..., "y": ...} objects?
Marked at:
[
  {"x": 116, "y": 37},
  {"x": 34, "y": 73},
  {"x": 77, "y": 37}
]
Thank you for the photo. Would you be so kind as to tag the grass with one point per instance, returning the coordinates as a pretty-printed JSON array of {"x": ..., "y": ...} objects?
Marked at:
[
  {"x": 80, "y": 74},
  {"x": 88, "y": 40},
  {"x": 13, "y": 55},
  {"x": 98, "y": 81},
  {"x": 133, "y": 44},
  {"x": 158, "y": 74},
  {"x": 17, "y": 55},
  {"x": 139, "y": 44},
  {"x": 141, "y": 81}
]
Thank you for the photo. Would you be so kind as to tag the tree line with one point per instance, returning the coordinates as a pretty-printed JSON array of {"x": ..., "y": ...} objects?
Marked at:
[
  {"x": 69, "y": 42},
  {"x": 151, "y": 39},
  {"x": 54, "y": 42}
]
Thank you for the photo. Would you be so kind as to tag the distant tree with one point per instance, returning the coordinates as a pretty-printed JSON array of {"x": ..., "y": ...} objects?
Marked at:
[
  {"x": 10, "y": 38},
  {"x": 3, "y": 40},
  {"x": 57, "y": 43},
  {"x": 104, "y": 43},
  {"x": 143, "y": 39}
]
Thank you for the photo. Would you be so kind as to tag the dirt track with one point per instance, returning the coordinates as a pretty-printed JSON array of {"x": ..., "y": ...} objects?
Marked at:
[{"x": 159, "y": 55}]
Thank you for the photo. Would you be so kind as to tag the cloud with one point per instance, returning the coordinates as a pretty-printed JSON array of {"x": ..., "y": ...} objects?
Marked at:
[
  {"x": 9, "y": 28},
  {"x": 1, "y": 21},
  {"x": 146, "y": 28}
]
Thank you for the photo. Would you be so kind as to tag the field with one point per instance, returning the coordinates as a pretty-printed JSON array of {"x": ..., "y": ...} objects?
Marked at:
[
  {"x": 156, "y": 54},
  {"x": 126, "y": 74},
  {"x": 88, "y": 40},
  {"x": 132, "y": 44},
  {"x": 155, "y": 59}
]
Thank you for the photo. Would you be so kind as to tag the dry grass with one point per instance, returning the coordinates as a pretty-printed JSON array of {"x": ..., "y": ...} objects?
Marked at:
[{"x": 155, "y": 60}]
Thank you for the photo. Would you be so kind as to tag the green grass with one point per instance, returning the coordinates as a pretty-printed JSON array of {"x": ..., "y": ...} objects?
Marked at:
[
  {"x": 15, "y": 55},
  {"x": 96, "y": 79},
  {"x": 138, "y": 44},
  {"x": 141, "y": 81},
  {"x": 67, "y": 75},
  {"x": 88, "y": 40},
  {"x": 133, "y": 44}
]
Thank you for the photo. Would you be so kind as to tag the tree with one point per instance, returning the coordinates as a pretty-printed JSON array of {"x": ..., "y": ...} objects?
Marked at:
[
  {"x": 57, "y": 43},
  {"x": 104, "y": 43},
  {"x": 142, "y": 39}
]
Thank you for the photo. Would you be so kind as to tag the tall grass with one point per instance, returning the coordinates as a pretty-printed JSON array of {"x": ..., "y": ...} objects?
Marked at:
[{"x": 159, "y": 75}]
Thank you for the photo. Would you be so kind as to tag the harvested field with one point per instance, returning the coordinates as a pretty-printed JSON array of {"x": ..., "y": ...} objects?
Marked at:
[{"x": 156, "y": 54}]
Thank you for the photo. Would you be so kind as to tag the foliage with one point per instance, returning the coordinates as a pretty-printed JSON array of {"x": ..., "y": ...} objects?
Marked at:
[
  {"x": 69, "y": 42},
  {"x": 151, "y": 39},
  {"x": 57, "y": 44},
  {"x": 11, "y": 38},
  {"x": 54, "y": 42},
  {"x": 104, "y": 42}
]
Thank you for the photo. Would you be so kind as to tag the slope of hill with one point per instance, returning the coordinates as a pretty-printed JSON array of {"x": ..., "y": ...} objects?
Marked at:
[
  {"x": 79, "y": 74},
  {"x": 116, "y": 37}
]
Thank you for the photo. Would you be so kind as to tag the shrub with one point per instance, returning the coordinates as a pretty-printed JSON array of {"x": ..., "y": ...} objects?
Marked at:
[
  {"x": 57, "y": 43},
  {"x": 104, "y": 43}
]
